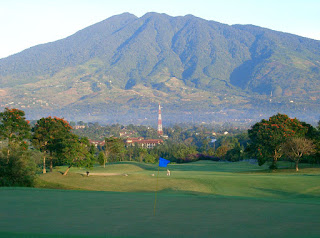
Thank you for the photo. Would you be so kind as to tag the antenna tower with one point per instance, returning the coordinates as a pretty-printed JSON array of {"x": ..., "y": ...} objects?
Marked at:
[{"x": 160, "y": 132}]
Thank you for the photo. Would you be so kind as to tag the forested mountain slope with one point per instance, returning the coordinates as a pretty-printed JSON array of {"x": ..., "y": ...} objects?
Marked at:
[{"x": 126, "y": 64}]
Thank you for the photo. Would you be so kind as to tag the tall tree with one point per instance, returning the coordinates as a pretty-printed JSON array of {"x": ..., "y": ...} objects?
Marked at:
[
  {"x": 113, "y": 148},
  {"x": 294, "y": 148},
  {"x": 101, "y": 158},
  {"x": 142, "y": 153},
  {"x": 267, "y": 137},
  {"x": 14, "y": 128},
  {"x": 48, "y": 135},
  {"x": 76, "y": 152},
  {"x": 130, "y": 152},
  {"x": 225, "y": 144},
  {"x": 317, "y": 143}
]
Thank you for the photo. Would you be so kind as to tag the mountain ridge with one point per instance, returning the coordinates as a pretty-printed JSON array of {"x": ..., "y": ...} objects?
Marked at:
[{"x": 129, "y": 61}]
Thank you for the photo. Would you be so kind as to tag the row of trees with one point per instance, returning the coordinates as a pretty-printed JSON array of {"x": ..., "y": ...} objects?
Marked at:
[
  {"x": 185, "y": 143},
  {"x": 95, "y": 131},
  {"x": 268, "y": 141},
  {"x": 177, "y": 133},
  {"x": 51, "y": 136}
]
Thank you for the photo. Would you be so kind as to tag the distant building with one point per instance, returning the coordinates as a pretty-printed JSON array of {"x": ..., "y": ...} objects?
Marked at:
[
  {"x": 211, "y": 133},
  {"x": 165, "y": 137},
  {"x": 140, "y": 141},
  {"x": 144, "y": 143},
  {"x": 126, "y": 133},
  {"x": 96, "y": 142},
  {"x": 79, "y": 127}
]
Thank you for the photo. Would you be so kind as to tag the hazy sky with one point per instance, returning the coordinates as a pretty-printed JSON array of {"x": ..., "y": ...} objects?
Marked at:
[{"x": 25, "y": 23}]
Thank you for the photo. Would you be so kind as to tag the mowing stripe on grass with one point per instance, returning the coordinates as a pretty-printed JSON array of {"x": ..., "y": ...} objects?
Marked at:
[{"x": 115, "y": 214}]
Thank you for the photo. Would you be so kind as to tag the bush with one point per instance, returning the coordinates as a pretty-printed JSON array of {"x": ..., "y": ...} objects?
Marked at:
[
  {"x": 197, "y": 157},
  {"x": 19, "y": 170},
  {"x": 235, "y": 154},
  {"x": 188, "y": 158},
  {"x": 149, "y": 159}
]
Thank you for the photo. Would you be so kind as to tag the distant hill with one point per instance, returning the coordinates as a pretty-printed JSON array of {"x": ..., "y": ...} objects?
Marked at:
[{"x": 120, "y": 68}]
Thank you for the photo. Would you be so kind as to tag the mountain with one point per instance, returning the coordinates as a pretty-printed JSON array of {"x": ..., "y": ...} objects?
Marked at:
[{"x": 120, "y": 68}]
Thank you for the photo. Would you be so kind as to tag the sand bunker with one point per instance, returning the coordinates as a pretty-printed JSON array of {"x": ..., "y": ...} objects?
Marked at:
[{"x": 104, "y": 174}]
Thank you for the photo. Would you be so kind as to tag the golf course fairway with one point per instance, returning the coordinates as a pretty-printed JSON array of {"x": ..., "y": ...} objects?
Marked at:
[{"x": 221, "y": 200}]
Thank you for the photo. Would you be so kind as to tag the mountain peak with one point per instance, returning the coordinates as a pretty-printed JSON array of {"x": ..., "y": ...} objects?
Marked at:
[
  {"x": 123, "y": 15},
  {"x": 127, "y": 61}
]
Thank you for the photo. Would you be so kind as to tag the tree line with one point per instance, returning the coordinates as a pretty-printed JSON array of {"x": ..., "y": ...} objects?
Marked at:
[
  {"x": 50, "y": 141},
  {"x": 50, "y": 137}
]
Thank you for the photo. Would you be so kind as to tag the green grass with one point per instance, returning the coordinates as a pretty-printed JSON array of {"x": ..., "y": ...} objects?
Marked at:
[
  {"x": 202, "y": 199},
  {"x": 239, "y": 179},
  {"x": 60, "y": 213}
]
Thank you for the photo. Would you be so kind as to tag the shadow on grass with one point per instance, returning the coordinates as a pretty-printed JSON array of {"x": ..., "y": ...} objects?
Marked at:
[
  {"x": 35, "y": 235},
  {"x": 50, "y": 185},
  {"x": 304, "y": 171},
  {"x": 169, "y": 191},
  {"x": 288, "y": 195}
]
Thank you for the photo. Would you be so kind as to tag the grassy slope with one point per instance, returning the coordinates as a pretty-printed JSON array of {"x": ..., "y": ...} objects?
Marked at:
[
  {"x": 227, "y": 179},
  {"x": 203, "y": 199}
]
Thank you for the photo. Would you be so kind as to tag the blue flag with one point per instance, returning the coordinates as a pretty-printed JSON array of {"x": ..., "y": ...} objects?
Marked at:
[{"x": 163, "y": 162}]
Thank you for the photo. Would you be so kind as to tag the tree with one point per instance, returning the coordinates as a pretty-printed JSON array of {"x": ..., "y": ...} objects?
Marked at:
[
  {"x": 101, "y": 158},
  {"x": 317, "y": 143},
  {"x": 267, "y": 136},
  {"x": 235, "y": 154},
  {"x": 113, "y": 148},
  {"x": 14, "y": 128},
  {"x": 48, "y": 135},
  {"x": 149, "y": 159},
  {"x": 225, "y": 144},
  {"x": 294, "y": 148},
  {"x": 107, "y": 149},
  {"x": 80, "y": 123},
  {"x": 222, "y": 150},
  {"x": 130, "y": 152},
  {"x": 173, "y": 151},
  {"x": 19, "y": 170},
  {"x": 118, "y": 151},
  {"x": 76, "y": 153},
  {"x": 202, "y": 142},
  {"x": 142, "y": 153}
]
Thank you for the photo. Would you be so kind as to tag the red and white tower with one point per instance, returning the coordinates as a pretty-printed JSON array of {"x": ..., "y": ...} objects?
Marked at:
[{"x": 160, "y": 132}]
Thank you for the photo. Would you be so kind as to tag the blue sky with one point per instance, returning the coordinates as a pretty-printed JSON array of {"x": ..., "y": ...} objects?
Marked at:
[{"x": 25, "y": 23}]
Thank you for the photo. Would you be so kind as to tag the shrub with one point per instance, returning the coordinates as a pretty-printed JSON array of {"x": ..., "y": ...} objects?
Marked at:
[
  {"x": 18, "y": 170},
  {"x": 149, "y": 159}
]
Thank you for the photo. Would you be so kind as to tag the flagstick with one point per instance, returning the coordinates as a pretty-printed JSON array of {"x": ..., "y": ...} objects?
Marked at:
[{"x": 155, "y": 199}]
